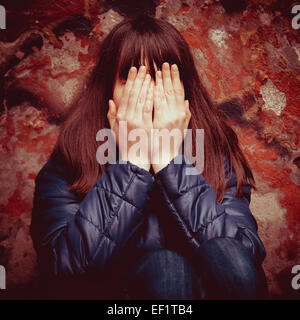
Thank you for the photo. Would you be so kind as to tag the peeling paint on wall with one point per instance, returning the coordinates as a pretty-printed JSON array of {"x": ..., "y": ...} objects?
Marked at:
[
  {"x": 274, "y": 99},
  {"x": 219, "y": 37}
]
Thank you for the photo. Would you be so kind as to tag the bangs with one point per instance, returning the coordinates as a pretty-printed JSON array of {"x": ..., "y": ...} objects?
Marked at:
[{"x": 146, "y": 49}]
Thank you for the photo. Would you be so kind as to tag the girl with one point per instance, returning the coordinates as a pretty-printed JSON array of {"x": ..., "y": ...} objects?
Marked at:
[{"x": 138, "y": 228}]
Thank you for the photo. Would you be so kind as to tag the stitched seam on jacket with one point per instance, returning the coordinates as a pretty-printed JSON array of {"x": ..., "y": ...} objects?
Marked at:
[
  {"x": 188, "y": 191},
  {"x": 123, "y": 195},
  {"x": 203, "y": 227},
  {"x": 80, "y": 214},
  {"x": 215, "y": 218},
  {"x": 114, "y": 216},
  {"x": 175, "y": 209},
  {"x": 118, "y": 209},
  {"x": 100, "y": 231},
  {"x": 85, "y": 218},
  {"x": 97, "y": 227},
  {"x": 126, "y": 200},
  {"x": 172, "y": 202},
  {"x": 207, "y": 223}
]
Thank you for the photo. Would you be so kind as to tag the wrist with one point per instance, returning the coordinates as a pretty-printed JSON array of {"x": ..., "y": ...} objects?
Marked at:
[
  {"x": 158, "y": 163},
  {"x": 158, "y": 167},
  {"x": 138, "y": 161},
  {"x": 142, "y": 164}
]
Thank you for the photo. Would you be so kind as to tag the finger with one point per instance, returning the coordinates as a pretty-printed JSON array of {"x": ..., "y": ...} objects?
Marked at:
[
  {"x": 156, "y": 95},
  {"x": 160, "y": 105},
  {"x": 187, "y": 112},
  {"x": 148, "y": 107},
  {"x": 112, "y": 111},
  {"x": 177, "y": 85},
  {"x": 135, "y": 90},
  {"x": 125, "y": 97},
  {"x": 142, "y": 97},
  {"x": 167, "y": 84},
  {"x": 160, "y": 90}
]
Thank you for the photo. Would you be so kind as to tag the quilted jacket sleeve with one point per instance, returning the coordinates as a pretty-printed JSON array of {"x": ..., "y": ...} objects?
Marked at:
[
  {"x": 195, "y": 215},
  {"x": 73, "y": 237}
]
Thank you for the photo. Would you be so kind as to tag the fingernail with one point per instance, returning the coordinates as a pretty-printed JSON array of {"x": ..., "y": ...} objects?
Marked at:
[
  {"x": 166, "y": 65},
  {"x": 142, "y": 68},
  {"x": 174, "y": 66},
  {"x": 147, "y": 76}
]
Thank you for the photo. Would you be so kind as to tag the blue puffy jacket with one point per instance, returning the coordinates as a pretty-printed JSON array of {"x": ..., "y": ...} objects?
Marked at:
[{"x": 129, "y": 212}]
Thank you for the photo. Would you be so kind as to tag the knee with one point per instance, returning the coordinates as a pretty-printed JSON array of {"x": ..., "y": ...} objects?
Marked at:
[
  {"x": 163, "y": 274},
  {"x": 161, "y": 264},
  {"x": 227, "y": 263},
  {"x": 163, "y": 257},
  {"x": 222, "y": 252}
]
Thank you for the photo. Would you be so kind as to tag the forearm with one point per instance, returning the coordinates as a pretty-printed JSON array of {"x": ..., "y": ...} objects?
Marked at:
[
  {"x": 70, "y": 235},
  {"x": 193, "y": 211}
]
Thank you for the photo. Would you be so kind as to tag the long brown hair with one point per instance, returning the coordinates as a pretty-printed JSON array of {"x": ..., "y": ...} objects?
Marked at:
[{"x": 121, "y": 49}]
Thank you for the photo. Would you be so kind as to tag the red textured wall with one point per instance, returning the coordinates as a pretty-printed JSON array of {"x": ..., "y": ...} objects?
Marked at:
[{"x": 248, "y": 57}]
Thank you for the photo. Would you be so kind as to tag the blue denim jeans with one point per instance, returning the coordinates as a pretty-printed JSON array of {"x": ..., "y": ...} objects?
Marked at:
[{"x": 221, "y": 268}]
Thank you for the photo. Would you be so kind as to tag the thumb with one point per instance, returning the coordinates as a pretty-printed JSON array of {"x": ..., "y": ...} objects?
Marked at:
[
  {"x": 187, "y": 111},
  {"x": 112, "y": 111}
]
